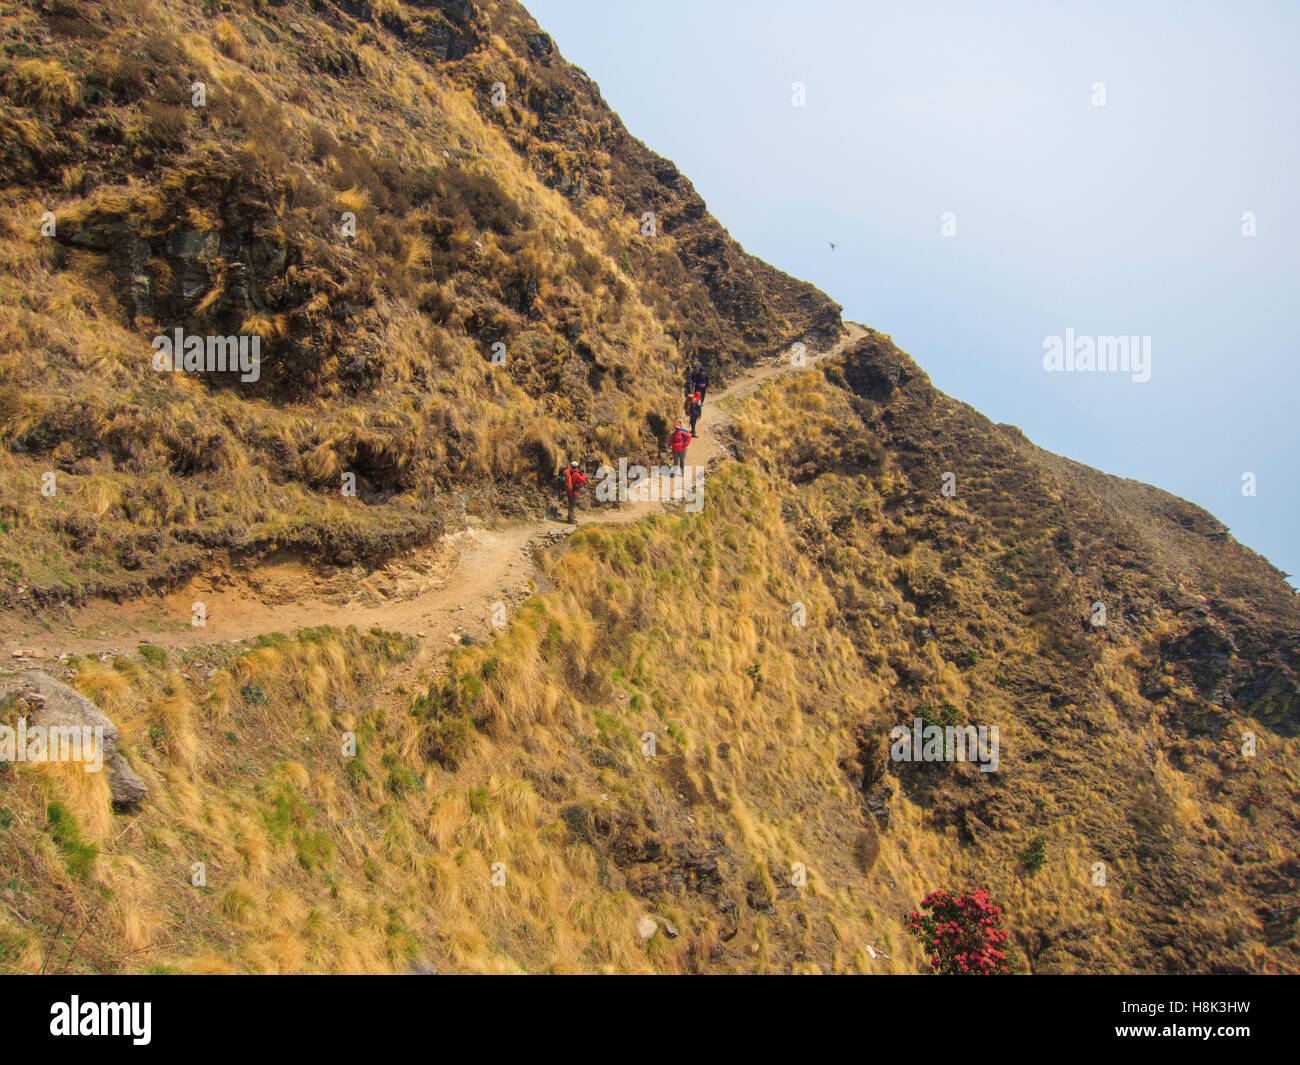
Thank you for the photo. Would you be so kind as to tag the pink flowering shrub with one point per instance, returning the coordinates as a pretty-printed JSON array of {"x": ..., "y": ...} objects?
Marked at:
[{"x": 961, "y": 933}]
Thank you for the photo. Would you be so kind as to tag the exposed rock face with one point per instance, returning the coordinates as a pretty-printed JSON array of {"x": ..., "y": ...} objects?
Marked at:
[
  {"x": 866, "y": 768},
  {"x": 53, "y": 704},
  {"x": 445, "y": 30}
]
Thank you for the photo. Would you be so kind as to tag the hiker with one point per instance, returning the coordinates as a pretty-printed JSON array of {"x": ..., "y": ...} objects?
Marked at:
[
  {"x": 699, "y": 381},
  {"x": 694, "y": 406},
  {"x": 574, "y": 479},
  {"x": 679, "y": 441}
]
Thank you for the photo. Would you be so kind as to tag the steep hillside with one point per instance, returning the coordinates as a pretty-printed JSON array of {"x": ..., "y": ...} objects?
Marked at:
[
  {"x": 1122, "y": 729},
  {"x": 676, "y": 751},
  {"x": 346, "y": 183}
]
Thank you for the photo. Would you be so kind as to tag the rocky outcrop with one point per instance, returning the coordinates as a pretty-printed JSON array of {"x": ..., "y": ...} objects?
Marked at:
[
  {"x": 51, "y": 704},
  {"x": 443, "y": 30}
]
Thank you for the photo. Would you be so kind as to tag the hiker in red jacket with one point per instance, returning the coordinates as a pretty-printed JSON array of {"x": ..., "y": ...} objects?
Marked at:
[
  {"x": 679, "y": 441},
  {"x": 694, "y": 405},
  {"x": 574, "y": 479}
]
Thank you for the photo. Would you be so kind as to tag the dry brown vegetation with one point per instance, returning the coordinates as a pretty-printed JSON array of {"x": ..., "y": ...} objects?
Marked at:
[
  {"x": 1121, "y": 743},
  {"x": 500, "y": 813},
  {"x": 527, "y": 752},
  {"x": 348, "y": 194},
  {"x": 770, "y": 737}
]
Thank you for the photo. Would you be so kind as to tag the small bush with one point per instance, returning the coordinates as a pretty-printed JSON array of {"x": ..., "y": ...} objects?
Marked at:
[
  {"x": 1034, "y": 856},
  {"x": 946, "y": 714},
  {"x": 1255, "y": 799},
  {"x": 155, "y": 656},
  {"x": 402, "y": 780}
]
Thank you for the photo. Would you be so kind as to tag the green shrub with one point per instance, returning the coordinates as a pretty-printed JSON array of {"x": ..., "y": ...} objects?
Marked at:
[
  {"x": 1034, "y": 856},
  {"x": 945, "y": 715},
  {"x": 155, "y": 656},
  {"x": 402, "y": 780}
]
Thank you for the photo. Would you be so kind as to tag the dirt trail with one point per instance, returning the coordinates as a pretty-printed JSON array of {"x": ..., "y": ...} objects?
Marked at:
[{"x": 436, "y": 593}]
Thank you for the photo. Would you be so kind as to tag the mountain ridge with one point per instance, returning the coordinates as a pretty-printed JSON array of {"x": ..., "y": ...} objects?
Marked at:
[{"x": 870, "y": 554}]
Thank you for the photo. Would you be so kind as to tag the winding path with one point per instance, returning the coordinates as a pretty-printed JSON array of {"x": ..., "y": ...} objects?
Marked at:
[{"x": 436, "y": 593}]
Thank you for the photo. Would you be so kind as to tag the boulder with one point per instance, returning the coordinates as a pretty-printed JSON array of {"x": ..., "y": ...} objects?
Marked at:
[{"x": 50, "y": 703}]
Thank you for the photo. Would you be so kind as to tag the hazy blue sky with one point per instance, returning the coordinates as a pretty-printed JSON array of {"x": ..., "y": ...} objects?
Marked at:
[{"x": 1124, "y": 219}]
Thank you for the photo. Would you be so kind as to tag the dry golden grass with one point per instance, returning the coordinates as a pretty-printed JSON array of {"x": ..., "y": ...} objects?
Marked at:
[
  {"x": 234, "y": 467},
  {"x": 680, "y": 626},
  {"x": 295, "y": 837},
  {"x": 507, "y": 820}
]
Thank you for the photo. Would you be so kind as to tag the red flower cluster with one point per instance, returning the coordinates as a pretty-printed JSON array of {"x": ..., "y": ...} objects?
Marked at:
[{"x": 962, "y": 933}]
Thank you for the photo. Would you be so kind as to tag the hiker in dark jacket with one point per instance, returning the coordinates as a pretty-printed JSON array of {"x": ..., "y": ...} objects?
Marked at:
[
  {"x": 574, "y": 479},
  {"x": 679, "y": 442},
  {"x": 694, "y": 406},
  {"x": 699, "y": 381}
]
